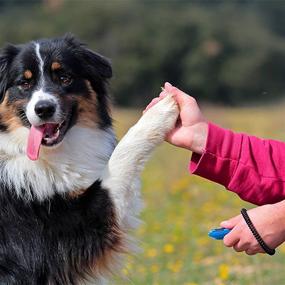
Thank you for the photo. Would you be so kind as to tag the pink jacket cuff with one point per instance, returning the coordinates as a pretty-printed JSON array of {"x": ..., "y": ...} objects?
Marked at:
[{"x": 219, "y": 160}]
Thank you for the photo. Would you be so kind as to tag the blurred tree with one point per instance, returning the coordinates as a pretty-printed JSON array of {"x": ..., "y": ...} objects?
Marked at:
[{"x": 230, "y": 52}]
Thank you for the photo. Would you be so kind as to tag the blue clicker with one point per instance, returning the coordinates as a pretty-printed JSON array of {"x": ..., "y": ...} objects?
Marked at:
[{"x": 219, "y": 233}]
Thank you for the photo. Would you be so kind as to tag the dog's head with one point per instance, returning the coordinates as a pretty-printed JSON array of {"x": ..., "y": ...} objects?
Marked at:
[{"x": 50, "y": 85}]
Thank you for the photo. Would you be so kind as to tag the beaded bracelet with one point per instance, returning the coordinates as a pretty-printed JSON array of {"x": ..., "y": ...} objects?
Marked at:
[{"x": 261, "y": 242}]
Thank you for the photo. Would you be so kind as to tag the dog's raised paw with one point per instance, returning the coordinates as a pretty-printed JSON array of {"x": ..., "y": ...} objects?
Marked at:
[{"x": 160, "y": 118}]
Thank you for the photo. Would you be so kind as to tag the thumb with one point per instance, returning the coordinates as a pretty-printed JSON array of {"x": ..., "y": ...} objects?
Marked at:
[
  {"x": 231, "y": 223},
  {"x": 168, "y": 87}
]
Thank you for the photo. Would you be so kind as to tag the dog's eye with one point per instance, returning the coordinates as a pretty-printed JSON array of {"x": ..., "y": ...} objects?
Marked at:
[
  {"x": 65, "y": 80},
  {"x": 25, "y": 84}
]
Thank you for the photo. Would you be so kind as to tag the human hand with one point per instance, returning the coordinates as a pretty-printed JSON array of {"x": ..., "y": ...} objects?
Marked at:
[
  {"x": 191, "y": 129},
  {"x": 269, "y": 221}
]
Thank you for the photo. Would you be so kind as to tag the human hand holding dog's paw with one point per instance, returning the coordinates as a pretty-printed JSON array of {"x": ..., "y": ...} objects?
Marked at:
[
  {"x": 191, "y": 128},
  {"x": 269, "y": 221}
]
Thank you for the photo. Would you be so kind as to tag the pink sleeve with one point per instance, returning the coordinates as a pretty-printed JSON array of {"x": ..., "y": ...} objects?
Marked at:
[{"x": 251, "y": 167}]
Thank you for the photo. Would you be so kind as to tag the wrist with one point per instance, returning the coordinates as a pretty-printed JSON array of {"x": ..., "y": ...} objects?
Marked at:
[
  {"x": 279, "y": 209},
  {"x": 277, "y": 213},
  {"x": 200, "y": 135}
]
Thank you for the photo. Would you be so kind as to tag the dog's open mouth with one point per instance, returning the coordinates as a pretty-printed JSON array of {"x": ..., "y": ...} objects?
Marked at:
[
  {"x": 48, "y": 134},
  {"x": 51, "y": 133}
]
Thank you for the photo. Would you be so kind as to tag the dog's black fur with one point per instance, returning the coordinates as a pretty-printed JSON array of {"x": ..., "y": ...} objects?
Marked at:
[{"x": 58, "y": 241}]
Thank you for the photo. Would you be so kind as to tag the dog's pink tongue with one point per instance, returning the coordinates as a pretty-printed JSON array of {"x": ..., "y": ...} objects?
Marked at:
[{"x": 34, "y": 141}]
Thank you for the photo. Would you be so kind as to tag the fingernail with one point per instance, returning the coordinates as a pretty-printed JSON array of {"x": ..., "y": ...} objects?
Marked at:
[{"x": 167, "y": 84}]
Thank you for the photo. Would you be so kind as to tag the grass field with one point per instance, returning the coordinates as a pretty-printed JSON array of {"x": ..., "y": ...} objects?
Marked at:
[{"x": 180, "y": 209}]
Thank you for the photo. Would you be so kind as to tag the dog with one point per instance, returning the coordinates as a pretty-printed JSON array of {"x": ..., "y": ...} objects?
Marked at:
[{"x": 69, "y": 194}]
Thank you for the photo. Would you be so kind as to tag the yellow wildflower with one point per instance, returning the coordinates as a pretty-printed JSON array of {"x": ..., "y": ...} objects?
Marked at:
[
  {"x": 175, "y": 266},
  {"x": 151, "y": 253},
  {"x": 224, "y": 271},
  {"x": 168, "y": 248}
]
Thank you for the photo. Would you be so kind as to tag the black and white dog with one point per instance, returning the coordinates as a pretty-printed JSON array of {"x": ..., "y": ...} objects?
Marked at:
[{"x": 68, "y": 194}]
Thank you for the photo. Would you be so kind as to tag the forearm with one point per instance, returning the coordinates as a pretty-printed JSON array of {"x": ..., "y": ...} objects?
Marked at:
[{"x": 251, "y": 167}]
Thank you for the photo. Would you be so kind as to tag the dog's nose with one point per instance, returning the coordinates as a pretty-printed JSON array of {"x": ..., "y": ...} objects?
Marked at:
[{"x": 45, "y": 109}]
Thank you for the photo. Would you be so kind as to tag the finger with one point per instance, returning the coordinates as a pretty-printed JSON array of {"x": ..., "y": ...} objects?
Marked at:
[
  {"x": 153, "y": 102},
  {"x": 171, "y": 89},
  {"x": 231, "y": 223},
  {"x": 174, "y": 90},
  {"x": 240, "y": 246},
  {"x": 163, "y": 94},
  {"x": 168, "y": 86},
  {"x": 232, "y": 238},
  {"x": 251, "y": 252},
  {"x": 181, "y": 97}
]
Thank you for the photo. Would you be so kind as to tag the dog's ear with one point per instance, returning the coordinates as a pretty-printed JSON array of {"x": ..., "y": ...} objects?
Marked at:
[
  {"x": 95, "y": 65},
  {"x": 97, "y": 70},
  {"x": 7, "y": 54}
]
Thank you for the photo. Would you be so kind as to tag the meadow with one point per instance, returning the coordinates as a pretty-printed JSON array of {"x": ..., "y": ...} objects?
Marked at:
[{"x": 181, "y": 208}]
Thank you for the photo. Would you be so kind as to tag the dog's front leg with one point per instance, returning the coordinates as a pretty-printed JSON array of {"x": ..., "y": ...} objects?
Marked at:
[{"x": 121, "y": 176}]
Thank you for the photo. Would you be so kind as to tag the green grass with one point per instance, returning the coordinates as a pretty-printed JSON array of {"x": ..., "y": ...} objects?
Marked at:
[{"x": 180, "y": 209}]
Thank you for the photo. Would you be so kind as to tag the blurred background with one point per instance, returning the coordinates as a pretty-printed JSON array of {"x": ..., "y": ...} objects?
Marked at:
[
  {"x": 230, "y": 55},
  {"x": 226, "y": 52}
]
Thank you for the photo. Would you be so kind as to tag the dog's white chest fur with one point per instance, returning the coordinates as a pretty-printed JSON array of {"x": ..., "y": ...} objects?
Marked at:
[{"x": 74, "y": 165}]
